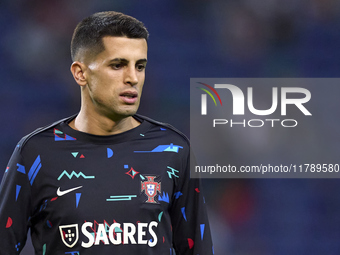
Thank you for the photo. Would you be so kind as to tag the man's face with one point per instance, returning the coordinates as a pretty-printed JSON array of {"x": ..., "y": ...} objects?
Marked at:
[{"x": 115, "y": 77}]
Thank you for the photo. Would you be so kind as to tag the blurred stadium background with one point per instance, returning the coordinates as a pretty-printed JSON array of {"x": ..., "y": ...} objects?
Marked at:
[{"x": 190, "y": 38}]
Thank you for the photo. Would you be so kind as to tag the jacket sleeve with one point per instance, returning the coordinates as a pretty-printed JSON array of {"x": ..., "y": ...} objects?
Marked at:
[
  {"x": 191, "y": 231},
  {"x": 15, "y": 200}
]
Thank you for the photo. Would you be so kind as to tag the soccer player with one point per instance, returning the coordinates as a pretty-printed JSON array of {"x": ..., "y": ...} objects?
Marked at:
[{"x": 107, "y": 180}]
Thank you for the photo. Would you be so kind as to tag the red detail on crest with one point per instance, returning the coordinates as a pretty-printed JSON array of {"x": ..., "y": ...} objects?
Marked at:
[
  {"x": 191, "y": 243},
  {"x": 197, "y": 190},
  {"x": 163, "y": 239},
  {"x": 53, "y": 199},
  {"x": 9, "y": 222},
  {"x": 150, "y": 188}
]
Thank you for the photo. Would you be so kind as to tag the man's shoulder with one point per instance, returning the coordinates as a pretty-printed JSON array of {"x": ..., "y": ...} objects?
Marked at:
[
  {"x": 39, "y": 133},
  {"x": 172, "y": 131}
]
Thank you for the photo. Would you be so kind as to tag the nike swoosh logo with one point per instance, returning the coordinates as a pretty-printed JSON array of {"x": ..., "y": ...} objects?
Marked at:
[{"x": 61, "y": 193}]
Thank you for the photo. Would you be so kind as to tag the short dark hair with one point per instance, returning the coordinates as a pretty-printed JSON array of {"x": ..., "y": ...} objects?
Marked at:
[{"x": 89, "y": 32}]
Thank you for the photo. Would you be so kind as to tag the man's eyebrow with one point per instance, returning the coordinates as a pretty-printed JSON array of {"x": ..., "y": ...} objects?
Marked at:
[
  {"x": 142, "y": 60},
  {"x": 119, "y": 60}
]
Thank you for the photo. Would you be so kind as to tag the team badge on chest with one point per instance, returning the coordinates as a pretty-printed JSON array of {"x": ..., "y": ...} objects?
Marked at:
[{"x": 150, "y": 187}]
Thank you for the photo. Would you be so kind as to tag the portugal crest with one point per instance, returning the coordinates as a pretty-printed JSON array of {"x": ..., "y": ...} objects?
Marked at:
[
  {"x": 150, "y": 188},
  {"x": 69, "y": 234}
]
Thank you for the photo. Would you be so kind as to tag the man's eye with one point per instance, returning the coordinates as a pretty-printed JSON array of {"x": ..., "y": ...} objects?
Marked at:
[
  {"x": 116, "y": 66},
  {"x": 140, "y": 67}
]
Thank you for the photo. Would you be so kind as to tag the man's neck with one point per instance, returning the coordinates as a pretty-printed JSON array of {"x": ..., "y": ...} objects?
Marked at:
[{"x": 102, "y": 125}]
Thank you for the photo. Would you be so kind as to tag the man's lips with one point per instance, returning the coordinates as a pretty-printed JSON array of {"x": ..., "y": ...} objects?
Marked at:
[{"x": 129, "y": 97}]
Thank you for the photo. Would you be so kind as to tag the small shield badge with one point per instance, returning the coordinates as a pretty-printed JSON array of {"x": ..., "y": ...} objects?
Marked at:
[
  {"x": 69, "y": 234},
  {"x": 150, "y": 188}
]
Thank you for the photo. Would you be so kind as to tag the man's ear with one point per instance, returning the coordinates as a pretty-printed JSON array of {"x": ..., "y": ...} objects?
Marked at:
[{"x": 78, "y": 70}]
